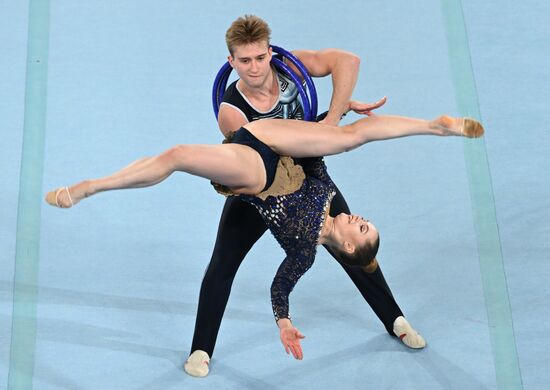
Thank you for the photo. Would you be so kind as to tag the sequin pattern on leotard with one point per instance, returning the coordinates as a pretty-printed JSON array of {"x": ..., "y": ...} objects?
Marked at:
[{"x": 295, "y": 220}]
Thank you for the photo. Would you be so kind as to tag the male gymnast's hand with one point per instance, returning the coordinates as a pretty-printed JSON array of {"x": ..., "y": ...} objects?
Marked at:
[
  {"x": 355, "y": 106},
  {"x": 365, "y": 108},
  {"x": 290, "y": 337}
]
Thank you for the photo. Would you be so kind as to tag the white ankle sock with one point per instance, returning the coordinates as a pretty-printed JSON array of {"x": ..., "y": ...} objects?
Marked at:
[
  {"x": 407, "y": 334},
  {"x": 197, "y": 364}
]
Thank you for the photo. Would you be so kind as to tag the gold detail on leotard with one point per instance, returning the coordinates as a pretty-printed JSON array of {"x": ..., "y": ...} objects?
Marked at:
[{"x": 288, "y": 179}]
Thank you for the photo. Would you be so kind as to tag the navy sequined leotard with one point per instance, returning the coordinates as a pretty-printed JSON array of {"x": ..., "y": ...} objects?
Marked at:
[{"x": 296, "y": 220}]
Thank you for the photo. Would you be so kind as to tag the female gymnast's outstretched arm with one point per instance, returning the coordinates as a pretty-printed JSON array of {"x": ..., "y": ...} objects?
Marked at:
[{"x": 241, "y": 169}]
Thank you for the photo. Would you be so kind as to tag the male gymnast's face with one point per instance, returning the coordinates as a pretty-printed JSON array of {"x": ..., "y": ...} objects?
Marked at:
[
  {"x": 354, "y": 230},
  {"x": 252, "y": 63}
]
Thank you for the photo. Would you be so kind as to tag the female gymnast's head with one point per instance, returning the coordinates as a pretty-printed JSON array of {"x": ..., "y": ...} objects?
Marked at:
[{"x": 353, "y": 239}]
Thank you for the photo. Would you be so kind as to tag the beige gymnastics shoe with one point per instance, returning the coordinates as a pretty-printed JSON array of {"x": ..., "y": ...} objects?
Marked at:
[
  {"x": 197, "y": 364},
  {"x": 471, "y": 128},
  {"x": 52, "y": 198}
]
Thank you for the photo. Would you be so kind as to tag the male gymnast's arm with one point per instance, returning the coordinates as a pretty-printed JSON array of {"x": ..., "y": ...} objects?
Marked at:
[
  {"x": 230, "y": 119},
  {"x": 343, "y": 67}
]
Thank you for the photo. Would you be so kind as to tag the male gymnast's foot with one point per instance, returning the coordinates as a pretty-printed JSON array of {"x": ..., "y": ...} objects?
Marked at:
[
  {"x": 197, "y": 364},
  {"x": 407, "y": 334}
]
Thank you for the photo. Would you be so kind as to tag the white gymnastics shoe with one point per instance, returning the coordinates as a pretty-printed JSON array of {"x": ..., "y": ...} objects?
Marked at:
[
  {"x": 197, "y": 364},
  {"x": 407, "y": 334}
]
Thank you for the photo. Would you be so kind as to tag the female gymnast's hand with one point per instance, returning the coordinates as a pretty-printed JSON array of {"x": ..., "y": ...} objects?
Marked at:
[{"x": 290, "y": 337}]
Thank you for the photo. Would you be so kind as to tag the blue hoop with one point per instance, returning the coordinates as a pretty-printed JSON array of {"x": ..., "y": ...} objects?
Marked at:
[
  {"x": 305, "y": 75},
  {"x": 309, "y": 103}
]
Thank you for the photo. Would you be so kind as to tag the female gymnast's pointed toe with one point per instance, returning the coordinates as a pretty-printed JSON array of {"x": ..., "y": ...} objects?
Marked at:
[
  {"x": 471, "y": 128},
  {"x": 53, "y": 198}
]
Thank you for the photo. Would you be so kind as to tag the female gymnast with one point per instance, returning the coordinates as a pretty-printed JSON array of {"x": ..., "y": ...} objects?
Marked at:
[{"x": 297, "y": 214}]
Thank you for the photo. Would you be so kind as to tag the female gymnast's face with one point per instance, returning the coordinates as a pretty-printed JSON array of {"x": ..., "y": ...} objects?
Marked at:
[
  {"x": 252, "y": 63},
  {"x": 355, "y": 229}
]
